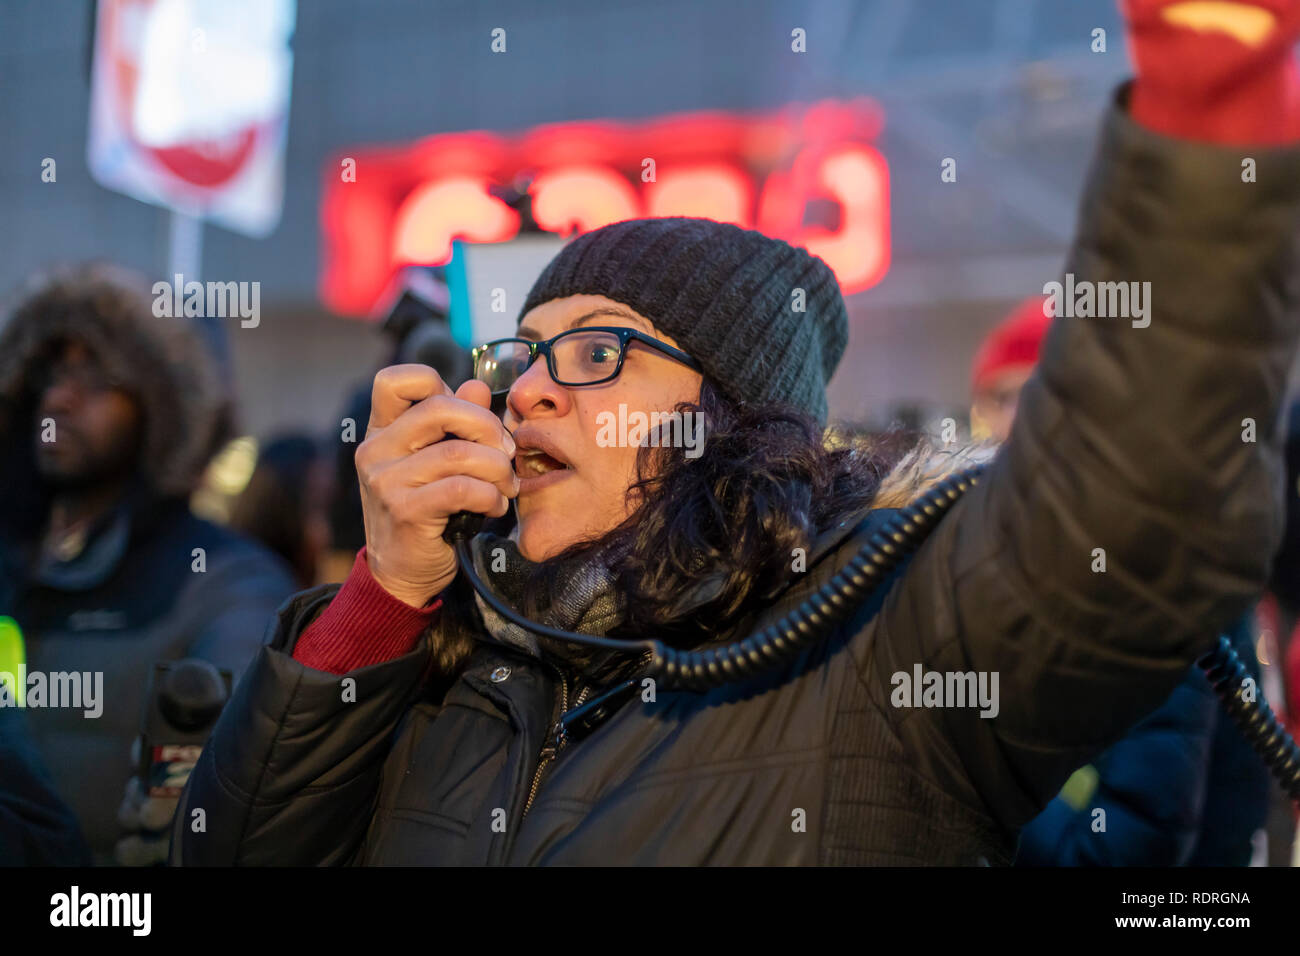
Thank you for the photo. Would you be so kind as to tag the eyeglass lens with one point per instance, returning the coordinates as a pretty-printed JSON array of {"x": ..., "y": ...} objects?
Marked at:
[{"x": 578, "y": 358}]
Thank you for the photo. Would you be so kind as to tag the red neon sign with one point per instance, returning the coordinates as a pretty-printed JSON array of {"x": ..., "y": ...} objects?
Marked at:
[{"x": 407, "y": 204}]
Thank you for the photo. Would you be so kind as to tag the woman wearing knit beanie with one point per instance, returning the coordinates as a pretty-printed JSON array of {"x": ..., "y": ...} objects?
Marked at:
[{"x": 402, "y": 719}]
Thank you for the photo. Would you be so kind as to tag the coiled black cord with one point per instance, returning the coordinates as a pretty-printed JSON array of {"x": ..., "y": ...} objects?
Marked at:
[
  {"x": 821, "y": 612},
  {"x": 780, "y": 642},
  {"x": 1228, "y": 676}
]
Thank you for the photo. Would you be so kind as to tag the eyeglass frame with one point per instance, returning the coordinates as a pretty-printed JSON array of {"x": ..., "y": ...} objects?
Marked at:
[{"x": 546, "y": 346}]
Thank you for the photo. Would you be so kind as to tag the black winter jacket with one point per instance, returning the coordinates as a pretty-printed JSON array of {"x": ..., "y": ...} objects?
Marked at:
[{"x": 1129, "y": 440}]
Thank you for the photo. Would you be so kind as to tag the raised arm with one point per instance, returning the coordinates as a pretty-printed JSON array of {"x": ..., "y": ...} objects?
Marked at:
[{"x": 1135, "y": 508}]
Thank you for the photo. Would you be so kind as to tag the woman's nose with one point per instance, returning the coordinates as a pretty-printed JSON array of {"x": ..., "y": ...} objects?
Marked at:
[{"x": 536, "y": 391}]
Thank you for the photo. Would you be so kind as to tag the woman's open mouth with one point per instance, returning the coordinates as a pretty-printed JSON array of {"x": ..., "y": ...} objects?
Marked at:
[{"x": 536, "y": 469}]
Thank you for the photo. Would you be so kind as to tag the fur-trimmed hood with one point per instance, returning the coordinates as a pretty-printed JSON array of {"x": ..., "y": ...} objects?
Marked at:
[
  {"x": 925, "y": 466},
  {"x": 187, "y": 409}
]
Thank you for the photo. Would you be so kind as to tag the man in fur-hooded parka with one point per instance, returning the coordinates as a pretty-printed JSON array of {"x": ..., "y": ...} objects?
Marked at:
[{"x": 108, "y": 416}]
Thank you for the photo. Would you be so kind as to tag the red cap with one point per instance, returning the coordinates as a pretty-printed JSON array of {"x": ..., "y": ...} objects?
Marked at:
[{"x": 1014, "y": 342}]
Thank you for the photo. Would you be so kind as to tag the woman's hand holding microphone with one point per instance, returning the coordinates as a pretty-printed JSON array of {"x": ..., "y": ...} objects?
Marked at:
[{"x": 414, "y": 476}]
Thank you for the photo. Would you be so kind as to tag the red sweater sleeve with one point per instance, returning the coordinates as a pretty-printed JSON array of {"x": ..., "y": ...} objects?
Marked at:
[
  {"x": 363, "y": 625},
  {"x": 1207, "y": 85}
]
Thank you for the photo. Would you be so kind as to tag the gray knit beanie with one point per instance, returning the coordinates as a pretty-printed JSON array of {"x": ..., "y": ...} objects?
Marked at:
[{"x": 727, "y": 295}]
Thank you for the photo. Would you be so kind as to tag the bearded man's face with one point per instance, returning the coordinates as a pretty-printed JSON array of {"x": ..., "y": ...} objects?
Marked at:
[{"x": 88, "y": 426}]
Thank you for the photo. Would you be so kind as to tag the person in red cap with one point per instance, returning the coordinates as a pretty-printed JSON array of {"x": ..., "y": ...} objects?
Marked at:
[{"x": 1002, "y": 366}]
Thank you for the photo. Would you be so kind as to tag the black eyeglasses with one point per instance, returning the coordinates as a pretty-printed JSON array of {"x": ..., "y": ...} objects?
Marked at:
[{"x": 587, "y": 356}]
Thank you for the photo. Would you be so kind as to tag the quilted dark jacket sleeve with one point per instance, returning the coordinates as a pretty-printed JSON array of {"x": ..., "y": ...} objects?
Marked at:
[
  {"x": 294, "y": 735},
  {"x": 1155, "y": 449}
]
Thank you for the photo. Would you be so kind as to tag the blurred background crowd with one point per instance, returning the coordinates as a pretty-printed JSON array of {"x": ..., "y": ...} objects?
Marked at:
[{"x": 389, "y": 178}]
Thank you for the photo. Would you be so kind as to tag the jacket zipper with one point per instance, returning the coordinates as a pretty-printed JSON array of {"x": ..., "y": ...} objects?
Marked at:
[{"x": 555, "y": 740}]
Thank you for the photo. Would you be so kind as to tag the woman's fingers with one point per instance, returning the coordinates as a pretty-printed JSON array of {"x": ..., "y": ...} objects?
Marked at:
[
  {"x": 398, "y": 387},
  {"x": 428, "y": 454},
  {"x": 476, "y": 392},
  {"x": 433, "y": 419},
  {"x": 454, "y": 457},
  {"x": 457, "y": 493}
]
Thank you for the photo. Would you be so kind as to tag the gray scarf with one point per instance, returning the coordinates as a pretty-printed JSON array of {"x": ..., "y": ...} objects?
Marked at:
[{"x": 587, "y": 601}]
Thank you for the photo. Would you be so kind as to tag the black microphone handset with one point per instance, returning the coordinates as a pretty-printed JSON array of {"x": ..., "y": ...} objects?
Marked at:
[
  {"x": 182, "y": 704},
  {"x": 463, "y": 525}
]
